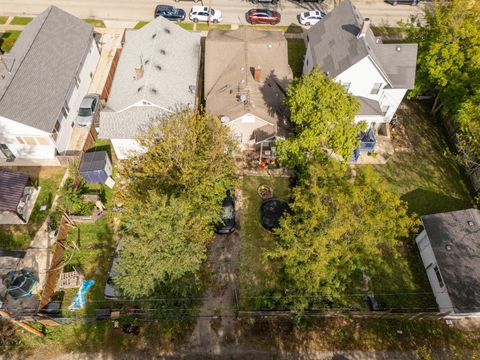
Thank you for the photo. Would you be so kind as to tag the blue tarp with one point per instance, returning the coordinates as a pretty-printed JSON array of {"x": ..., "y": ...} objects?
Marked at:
[{"x": 78, "y": 301}]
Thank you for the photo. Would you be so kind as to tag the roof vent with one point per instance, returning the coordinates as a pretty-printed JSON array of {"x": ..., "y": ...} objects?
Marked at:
[
  {"x": 364, "y": 29},
  {"x": 398, "y": 48},
  {"x": 241, "y": 98},
  {"x": 154, "y": 35},
  {"x": 269, "y": 46},
  {"x": 163, "y": 52},
  {"x": 158, "y": 67},
  {"x": 470, "y": 223},
  {"x": 192, "y": 89},
  {"x": 224, "y": 119},
  {"x": 226, "y": 87},
  {"x": 448, "y": 247},
  {"x": 147, "y": 61},
  {"x": 153, "y": 90},
  {"x": 140, "y": 89},
  {"x": 167, "y": 30}
]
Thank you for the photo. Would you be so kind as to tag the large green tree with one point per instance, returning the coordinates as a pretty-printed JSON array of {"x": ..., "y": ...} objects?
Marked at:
[
  {"x": 172, "y": 195},
  {"x": 340, "y": 223},
  {"x": 322, "y": 115}
]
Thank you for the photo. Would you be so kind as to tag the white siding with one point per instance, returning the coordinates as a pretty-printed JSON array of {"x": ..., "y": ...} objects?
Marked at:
[
  {"x": 429, "y": 262},
  {"x": 88, "y": 67},
  {"x": 10, "y": 130},
  {"x": 243, "y": 128},
  {"x": 125, "y": 147}
]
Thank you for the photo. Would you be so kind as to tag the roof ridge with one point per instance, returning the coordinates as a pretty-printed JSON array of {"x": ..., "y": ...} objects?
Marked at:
[{"x": 49, "y": 9}]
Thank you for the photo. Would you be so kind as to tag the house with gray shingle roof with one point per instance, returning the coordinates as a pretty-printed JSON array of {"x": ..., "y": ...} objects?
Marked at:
[
  {"x": 157, "y": 73},
  {"x": 43, "y": 79},
  {"x": 450, "y": 249},
  {"x": 344, "y": 47}
]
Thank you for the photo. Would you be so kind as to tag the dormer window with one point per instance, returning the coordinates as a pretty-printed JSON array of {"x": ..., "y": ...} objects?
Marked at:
[{"x": 376, "y": 88}]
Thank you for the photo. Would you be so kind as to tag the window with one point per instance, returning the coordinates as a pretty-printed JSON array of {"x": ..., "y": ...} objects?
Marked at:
[
  {"x": 42, "y": 141},
  {"x": 57, "y": 126},
  {"x": 64, "y": 112},
  {"x": 20, "y": 140},
  {"x": 376, "y": 88},
  {"x": 67, "y": 108},
  {"x": 77, "y": 81},
  {"x": 385, "y": 109},
  {"x": 346, "y": 85},
  {"x": 439, "y": 276},
  {"x": 29, "y": 140}
]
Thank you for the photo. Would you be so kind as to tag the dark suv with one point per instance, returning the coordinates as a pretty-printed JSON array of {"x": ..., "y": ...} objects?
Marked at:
[
  {"x": 403, "y": 2},
  {"x": 273, "y": 2},
  {"x": 170, "y": 12}
]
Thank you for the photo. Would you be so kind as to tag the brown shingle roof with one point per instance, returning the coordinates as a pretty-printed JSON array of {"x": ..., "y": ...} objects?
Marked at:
[
  {"x": 230, "y": 60},
  {"x": 11, "y": 189}
]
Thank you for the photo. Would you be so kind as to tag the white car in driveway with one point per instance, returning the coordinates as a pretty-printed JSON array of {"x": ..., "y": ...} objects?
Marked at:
[
  {"x": 200, "y": 14},
  {"x": 308, "y": 18}
]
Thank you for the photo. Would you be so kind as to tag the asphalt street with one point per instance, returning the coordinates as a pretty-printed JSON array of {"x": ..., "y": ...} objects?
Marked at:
[{"x": 233, "y": 11}]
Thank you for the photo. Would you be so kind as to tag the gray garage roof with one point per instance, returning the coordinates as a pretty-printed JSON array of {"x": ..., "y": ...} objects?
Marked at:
[
  {"x": 127, "y": 124},
  {"x": 335, "y": 47},
  {"x": 12, "y": 185},
  {"x": 43, "y": 63},
  {"x": 455, "y": 240},
  {"x": 170, "y": 58}
]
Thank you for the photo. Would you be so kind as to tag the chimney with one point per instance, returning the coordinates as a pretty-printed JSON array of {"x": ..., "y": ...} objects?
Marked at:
[
  {"x": 138, "y": 72},
  {"x": 258, "y": 73},
  {"x": 364, "y": 29}
]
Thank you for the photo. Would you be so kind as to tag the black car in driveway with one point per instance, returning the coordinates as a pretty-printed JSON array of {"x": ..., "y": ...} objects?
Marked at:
[
  {"x": 403, "y": 2},
  {"x": 170, "y": 12},
  {"x": 227, "y": 214}
]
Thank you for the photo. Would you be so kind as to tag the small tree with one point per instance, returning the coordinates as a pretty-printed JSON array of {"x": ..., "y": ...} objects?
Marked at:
[
  {"x": 173, "y": 194},
  {"x": 340, "y": 224},
  {"x": 322, "y": 115}
]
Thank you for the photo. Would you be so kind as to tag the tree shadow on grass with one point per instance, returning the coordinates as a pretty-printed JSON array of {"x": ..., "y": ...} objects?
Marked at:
[{"x": 423, "y": 202}]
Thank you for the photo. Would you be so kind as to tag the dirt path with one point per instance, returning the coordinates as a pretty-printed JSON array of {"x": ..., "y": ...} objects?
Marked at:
[{"x": 215, "y": 329}]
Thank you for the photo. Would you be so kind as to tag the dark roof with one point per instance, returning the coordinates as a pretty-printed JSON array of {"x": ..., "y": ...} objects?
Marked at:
[
  {"x": 335, "y": 47},
  {"x": 369, "y": 106},
  {"x": 93, "y": 161},
  {"x": 455, "y": 240},
  {"x": 12, "y": 186},
  {"x": 44, "y": 62}
]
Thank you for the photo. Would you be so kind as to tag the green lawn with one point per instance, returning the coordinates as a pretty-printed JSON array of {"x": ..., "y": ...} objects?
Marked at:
[
  {"x": 387, "y": 31},
  {"x": 7, "y": 40},
  {"x": 3, "y": 20},
  {"x": 296, "y": 53},
  {"x": 256, "y": 277},
  {"x": 428, "y": 178},
  {"x": 19, "y": 20},
  {"x": 290, "y": 29},
  {"x": 95, "y": 22},
  {"x": 140, "y": 24},
  {"x": 204, "y": 26},
  {"x": 20, "y": 236},
  {"x": 185, "y": 25}
]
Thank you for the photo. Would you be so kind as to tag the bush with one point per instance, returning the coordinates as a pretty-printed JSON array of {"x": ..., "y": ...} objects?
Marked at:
[{"x": 72, "y": 201}]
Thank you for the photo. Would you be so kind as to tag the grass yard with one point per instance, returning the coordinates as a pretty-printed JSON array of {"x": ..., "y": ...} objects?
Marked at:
[
  {"x": 185, "y": 25},
  {"x": 255, "y": 276},
  {"x": 428, "y": 178},
  {"x": 20, "y": 236},
  {"x": 204, "y": 26},
  {"x": 290, "y": 29},
  {"x": 3, "y": 20},
  {"x": 95, "y": 22},
  {"x": 19, "y": 20},
  {"x": 140, "y": 24},
  {"x": 296, "y": 53},
  {"x": 7, "y": 40}
]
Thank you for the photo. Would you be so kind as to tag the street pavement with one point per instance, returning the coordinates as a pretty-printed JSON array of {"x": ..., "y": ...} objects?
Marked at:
[{"x": 233, "y": 11}]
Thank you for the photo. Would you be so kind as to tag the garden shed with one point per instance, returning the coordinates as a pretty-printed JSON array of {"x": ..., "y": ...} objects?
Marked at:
[
  {"x": 15, "y": 197},
  {"x": 96, "y": 167}
]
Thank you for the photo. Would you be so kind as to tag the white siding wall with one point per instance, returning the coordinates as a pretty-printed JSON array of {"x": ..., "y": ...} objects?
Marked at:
[
  {"x": 243, "y": 128},
  {"x": 10, "y": 130},
  {"x": 89, "y": 66},
  {"x": 124, "y": 147},
  {"x": 429, "y": 261}
]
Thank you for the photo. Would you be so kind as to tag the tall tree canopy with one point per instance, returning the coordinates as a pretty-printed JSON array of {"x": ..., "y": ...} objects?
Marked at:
[
  {"x": 322, "y": 115},
  {"x": 339, "y": 224},
  {"x": 172, "y": 196}
]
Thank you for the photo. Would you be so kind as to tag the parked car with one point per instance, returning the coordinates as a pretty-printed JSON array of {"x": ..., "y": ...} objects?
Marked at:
[
  {"x": 308, "y": 18},
  {"x": 317, "y": 1},
  {"x": 403, "y": 2},
  {"x": 170, "y": 12},
  {"x": 110, "y": 291},
  {"x": 273, "y": 2},
  {"x": 88, "y": 109},
  {"x": 262, "y": 16},
  {"x": 200, "y": 13},
  {"x": 227, "y": 215}
]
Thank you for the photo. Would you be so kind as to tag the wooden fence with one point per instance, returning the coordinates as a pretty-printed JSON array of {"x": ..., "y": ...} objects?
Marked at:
[{"x": 111, "y": 74}]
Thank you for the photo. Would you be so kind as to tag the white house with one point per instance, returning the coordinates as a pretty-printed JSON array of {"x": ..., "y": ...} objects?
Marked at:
[
  {"x": 157, "y": 72},
  {"x": 43, "y": 79},
  {"x": 246, "y": 77},
  {"x": 344, "y": 47},
  {"x": 450, "y": 249}
]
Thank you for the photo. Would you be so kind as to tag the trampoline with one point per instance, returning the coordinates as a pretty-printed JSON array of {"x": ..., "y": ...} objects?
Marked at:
[{"x": 272, "y": 211}]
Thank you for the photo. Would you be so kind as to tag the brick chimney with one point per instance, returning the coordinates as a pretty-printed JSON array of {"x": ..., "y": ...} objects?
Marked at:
[
  {"x": 364, "y": 29},
  {"x": 257, "y": 73},
  {"x": 138, "y": 72}
]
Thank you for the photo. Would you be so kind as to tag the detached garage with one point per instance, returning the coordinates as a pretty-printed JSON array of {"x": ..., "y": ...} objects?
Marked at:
[{"x": 450, "y": 249}]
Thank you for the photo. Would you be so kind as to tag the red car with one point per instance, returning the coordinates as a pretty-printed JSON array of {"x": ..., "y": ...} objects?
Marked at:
[{"x": 262, "y": 16}]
